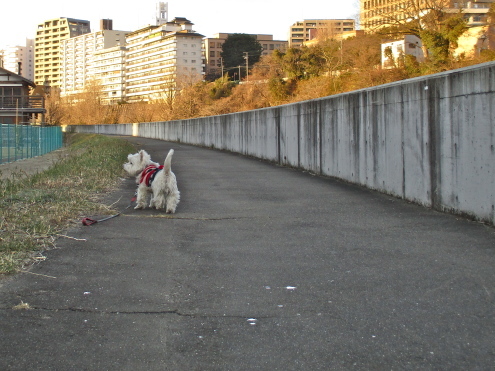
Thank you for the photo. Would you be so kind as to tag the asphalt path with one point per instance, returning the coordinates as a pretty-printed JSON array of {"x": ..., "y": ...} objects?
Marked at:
[{"x": 261, "y": 268}]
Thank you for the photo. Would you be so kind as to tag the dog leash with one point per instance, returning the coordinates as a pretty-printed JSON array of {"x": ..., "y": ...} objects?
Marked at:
[{"x": 89, "y": 221}]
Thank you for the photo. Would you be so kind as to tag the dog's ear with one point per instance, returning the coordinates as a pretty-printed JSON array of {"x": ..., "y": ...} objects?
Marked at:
[{"x": 141, "y": 155}]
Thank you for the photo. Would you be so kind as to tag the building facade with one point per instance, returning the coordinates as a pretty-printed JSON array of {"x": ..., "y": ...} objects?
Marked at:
[
  {"x": 19, "y": 59},
  {"x": 394, "y": 51},
  {"x": 475, "y": 11},
  {"x": 49, "y": 35},
  {"x": 213, "y": 49},
  {"x": 381, "y": 13},
  {"x": 108, "y": 71},
  {"x": 78, "y": 54},
  {"x": 160, "y": 58},
  {"x": 303, "y": 31},
  {"x": 17, "y": 105}
]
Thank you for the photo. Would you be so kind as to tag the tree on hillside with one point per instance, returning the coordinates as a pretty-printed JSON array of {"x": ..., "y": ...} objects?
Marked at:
[
  {"x": 302, "y": 62},
  {"x": 485, "y": 44},
  {"x": 86, "y": 108},
  {"x": 221, "y": 88},
  {"x": 361, "y": 53},
  {"x": 236, "y": 46},
  {"x": 190, "y": 100},
  {"x": 55, "y": 109},
  {"x": 442, "y": 41},
  {"x": 433, "y": 21}
]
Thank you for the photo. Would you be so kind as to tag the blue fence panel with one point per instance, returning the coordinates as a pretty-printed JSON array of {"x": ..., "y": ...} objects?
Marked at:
[{"x": 23, "y": 141}]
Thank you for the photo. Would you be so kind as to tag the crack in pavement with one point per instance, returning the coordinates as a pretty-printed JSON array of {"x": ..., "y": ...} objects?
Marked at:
[
  {"x": 182, "y": 218},
  {"x": 164, "y": 312}
]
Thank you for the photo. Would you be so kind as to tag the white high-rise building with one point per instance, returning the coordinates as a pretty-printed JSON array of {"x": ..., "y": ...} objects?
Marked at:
[
  {"x": 108, "y": 72},
  {"x": 160, "y": 58},
  {"x": 20, "y": 59},
  {"x": 78, "y": 58}
]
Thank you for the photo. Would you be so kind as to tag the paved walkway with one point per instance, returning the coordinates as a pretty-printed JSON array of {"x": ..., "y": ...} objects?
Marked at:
[{"x": 261, "y": 268}]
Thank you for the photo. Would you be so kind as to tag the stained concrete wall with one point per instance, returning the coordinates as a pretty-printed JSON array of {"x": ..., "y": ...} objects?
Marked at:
[{"x": 429, "y": 140}]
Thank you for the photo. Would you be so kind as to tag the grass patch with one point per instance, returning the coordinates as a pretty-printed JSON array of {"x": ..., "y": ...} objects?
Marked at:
[{"x": 34, "y": 209}]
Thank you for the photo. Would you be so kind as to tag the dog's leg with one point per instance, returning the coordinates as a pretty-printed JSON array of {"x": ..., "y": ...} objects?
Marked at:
[
  {"x": 141, "y": 198},
  {"x": 159, "y": 201},
  {"x": 173, "y": 194},
  {"x": 172, "y": 201},
  {"x": 153, "y": 198}
]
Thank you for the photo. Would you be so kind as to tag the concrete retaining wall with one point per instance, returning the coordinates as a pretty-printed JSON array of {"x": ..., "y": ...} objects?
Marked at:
[{"x": 429, "y": 140}]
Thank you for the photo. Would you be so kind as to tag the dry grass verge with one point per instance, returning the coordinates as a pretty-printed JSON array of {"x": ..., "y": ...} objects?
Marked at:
[{"x": 35, "y": 209}]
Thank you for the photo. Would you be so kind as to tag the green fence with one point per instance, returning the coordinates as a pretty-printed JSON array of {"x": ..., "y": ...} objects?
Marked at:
[{"x": 24, "y": 141}]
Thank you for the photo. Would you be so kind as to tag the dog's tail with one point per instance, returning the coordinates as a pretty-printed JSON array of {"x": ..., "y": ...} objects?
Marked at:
[{"x": 167, "y": 166}]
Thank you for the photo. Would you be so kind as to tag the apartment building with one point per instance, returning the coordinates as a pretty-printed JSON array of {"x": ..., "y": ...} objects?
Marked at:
[
  {"x": 19, "y": 59},
  {"x": 108, "y": 71},
  {"x": 78, "y": 58},
  {"x": 159, "y": 58},
  {"x": 49, "y": 35},
  {"x": 379, "y": 13},
  {"x": 306, "y": 30},
  {"x": 213, "y": 50},
  {"x": 474, "y": 11}
]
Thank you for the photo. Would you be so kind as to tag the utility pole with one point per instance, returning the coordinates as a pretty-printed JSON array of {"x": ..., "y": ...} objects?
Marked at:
[{"x": 246, "y": 56}]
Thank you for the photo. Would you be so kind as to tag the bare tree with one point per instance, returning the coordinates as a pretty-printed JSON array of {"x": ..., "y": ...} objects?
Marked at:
[
  {"x": 412, "y": 16},
  {"x": 435, "y": 22},
  {"x": 55, "y": 109}
]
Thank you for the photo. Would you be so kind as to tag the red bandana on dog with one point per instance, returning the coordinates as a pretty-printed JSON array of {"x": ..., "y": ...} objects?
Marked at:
[{"x": 149, "y": 174}]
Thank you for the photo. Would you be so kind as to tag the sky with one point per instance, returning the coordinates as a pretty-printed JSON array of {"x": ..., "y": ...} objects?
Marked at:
[{"x": 272, "y": 17}]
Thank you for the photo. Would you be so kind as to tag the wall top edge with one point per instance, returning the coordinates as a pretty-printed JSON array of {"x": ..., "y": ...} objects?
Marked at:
[{"x": 337, "y": 96}]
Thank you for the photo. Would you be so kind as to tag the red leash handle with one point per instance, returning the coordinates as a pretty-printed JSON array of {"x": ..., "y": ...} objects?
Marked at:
[{"x": 88, "y": 221}]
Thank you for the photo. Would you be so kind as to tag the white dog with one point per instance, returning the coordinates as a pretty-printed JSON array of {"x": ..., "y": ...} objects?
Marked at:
[{"x": 152, "y": 178}]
